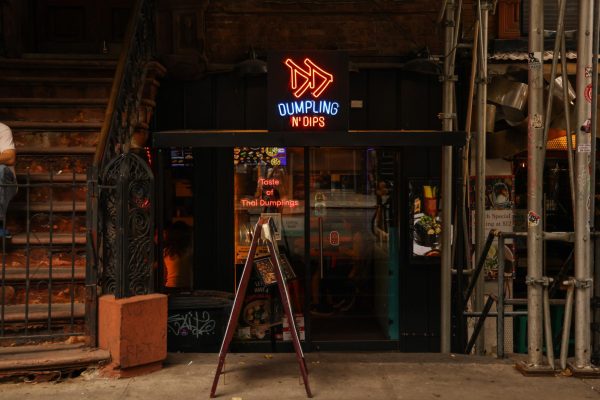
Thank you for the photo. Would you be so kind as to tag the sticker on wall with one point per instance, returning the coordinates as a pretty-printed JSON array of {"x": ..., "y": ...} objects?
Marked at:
[
  {"x": 537, "y": 121},
  {"x": 588, "y": 72},
  {"x": 533, "y": 219},
  {"x": 587, "y": 126},
  {"x": 584, "y": 148},
  {"x": 588, "y": 93},
  {"x": 535, "y": 60}
]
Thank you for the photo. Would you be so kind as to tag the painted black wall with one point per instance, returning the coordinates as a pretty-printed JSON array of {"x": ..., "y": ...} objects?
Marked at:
[{"x": 391, "y": 100}]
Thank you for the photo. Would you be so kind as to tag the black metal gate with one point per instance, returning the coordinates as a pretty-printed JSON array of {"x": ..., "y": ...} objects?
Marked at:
[{"x": 72, "y": 238}]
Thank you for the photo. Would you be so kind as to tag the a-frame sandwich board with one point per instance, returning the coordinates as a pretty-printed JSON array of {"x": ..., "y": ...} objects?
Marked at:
[{"x": 263, "y": 231}]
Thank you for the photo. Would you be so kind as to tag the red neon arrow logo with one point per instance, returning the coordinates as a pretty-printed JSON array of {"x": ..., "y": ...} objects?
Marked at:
[{"x": 311, "y": 75}]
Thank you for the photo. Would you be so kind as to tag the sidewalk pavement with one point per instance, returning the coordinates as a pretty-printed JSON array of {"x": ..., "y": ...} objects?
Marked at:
[{"x": 340, "y": 376}]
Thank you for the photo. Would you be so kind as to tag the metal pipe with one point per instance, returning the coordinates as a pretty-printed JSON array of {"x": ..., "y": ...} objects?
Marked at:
[
  {"x": 548, "y": 328},
  {"x": 567, "y": 111},
  {"x": 559, "y": 33},
  {"x": 446, "y": 254},
  {"x": 582, "y": 169},
  {"x": 495, "y": 314},
  {"x": 477, "y": 272},
  {"x": 596, "y": 245},
  {"x": 534, "y": 182},
  {"x": 483, "y": 10},
  {"x": 564, "y": 343},
  {"x": 500, "y": 303},
  {"x": 523, "y": 302}
]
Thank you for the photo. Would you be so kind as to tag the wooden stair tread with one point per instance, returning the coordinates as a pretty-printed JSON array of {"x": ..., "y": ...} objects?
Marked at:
[
  {"x": 39, "y": 312},
  {"x": 43, "y": 238},
  {"x": 13, "y": 274}
]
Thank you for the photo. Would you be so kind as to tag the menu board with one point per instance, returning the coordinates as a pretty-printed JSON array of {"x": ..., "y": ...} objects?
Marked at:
[
  {"x": 259, "y": 155},
  {"x": 266, "y": 270}
]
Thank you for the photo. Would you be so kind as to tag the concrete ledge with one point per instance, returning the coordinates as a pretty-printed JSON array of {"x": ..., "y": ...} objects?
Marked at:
[{"x": 134, "y": 331}]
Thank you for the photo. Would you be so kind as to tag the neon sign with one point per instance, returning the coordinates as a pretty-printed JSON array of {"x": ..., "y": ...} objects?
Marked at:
[
  {"x": 310, "y": 75},
  {"x": 308, "y": 91}
]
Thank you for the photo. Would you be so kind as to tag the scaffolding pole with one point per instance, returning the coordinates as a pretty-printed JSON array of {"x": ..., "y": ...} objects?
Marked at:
[
  {"x": 583, "y": 280},
  {"x": 535, "y": 150},
  {"x": 447, "y": 118},
  {"x": 483, "y": 8}
]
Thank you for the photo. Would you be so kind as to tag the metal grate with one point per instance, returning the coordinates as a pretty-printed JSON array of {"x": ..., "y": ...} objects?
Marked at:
[{"x": 43, "y": 266}]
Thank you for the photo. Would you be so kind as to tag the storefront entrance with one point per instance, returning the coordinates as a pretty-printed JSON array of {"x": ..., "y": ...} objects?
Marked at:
[
  {"x": 342, "y": 221},
  {"x": 345, "y": 195}
]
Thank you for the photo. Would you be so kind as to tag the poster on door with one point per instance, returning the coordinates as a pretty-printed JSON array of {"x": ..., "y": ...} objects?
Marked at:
[{"x": 425, "y": 224}]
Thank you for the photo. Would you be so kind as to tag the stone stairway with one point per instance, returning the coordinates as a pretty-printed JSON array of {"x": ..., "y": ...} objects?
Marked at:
[{"x": 55, "y": 108}]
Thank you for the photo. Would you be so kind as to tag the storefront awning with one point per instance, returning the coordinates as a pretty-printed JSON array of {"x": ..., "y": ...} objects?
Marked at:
[{"x": 355, "y": 138}]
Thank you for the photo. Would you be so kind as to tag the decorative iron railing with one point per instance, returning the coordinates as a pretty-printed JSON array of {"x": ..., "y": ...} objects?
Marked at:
[{"x": 123, "y": 245}]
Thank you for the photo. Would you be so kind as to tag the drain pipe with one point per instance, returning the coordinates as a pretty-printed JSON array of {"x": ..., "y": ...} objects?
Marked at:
[
  {"x": 535, "y": 150},
  {"x": 480, "y": 234},
  {"x": 582, "y": 172},
  {"x": 447, "y": 118}
]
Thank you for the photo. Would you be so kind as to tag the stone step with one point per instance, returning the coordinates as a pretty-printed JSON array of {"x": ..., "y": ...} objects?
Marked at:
[
  {"x": 39, "y": 312},
  {"x": 57, "y": 206},
  {"x": 59, "y": 164},
  {"x": 43, "y": 239},
  {"x": 45, "y": 177},
  {"x": 48, "y": 357},
  {"x": 53, "y": 126},
  {"x": 43, "y": 273},
  {"x": 57, "y": 67},
  {"x": 57, "y": 110},
  {"x": 55, "y": 87}
]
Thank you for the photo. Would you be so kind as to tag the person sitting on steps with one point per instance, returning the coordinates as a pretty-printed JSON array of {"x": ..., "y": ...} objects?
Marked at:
[{"x": 8, "y": 181}]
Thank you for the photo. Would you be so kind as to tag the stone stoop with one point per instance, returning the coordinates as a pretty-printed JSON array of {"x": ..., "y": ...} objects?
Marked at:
[{"x": 48, "y": 361}]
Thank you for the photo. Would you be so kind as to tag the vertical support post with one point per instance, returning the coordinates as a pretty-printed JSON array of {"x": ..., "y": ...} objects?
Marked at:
[
  {"x": 91, "y": 270},
  {"x": 446, "y": 261},
  {"x": 548, "y": 324},
  {"x": 595, "y": 243},
  {"x": 564, "y": 344},
  {"x": 480, "y": 235},
  {"x": 500, "y": 302},
  {"x": 582, "y": 173},
  {"x": 535, "y": 150}
]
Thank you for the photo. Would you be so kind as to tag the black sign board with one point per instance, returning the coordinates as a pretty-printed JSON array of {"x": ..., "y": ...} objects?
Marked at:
[{"x": 308, "y": 91}]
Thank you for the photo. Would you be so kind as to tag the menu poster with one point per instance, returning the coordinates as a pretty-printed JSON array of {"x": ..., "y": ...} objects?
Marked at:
[
  {"x": 266, "y": 270},
  {"x": 425, "y": 224}
]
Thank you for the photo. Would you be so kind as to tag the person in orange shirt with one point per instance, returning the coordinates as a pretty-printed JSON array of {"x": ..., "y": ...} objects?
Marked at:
[{"x": 178, "y": 257}]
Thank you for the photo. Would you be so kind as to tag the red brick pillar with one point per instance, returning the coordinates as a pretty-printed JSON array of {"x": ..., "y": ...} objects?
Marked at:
[{"x": 134, "y": 331}]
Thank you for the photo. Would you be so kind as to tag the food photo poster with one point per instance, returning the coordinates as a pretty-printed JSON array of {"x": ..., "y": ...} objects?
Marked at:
[{"x": 425, "y": 224}]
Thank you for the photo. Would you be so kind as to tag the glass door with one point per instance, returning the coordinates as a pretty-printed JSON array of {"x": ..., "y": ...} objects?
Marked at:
[{"x": 353, "y": 291}]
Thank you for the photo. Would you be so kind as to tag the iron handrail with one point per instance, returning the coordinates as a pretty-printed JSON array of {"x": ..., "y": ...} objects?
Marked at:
[{"x": 125, "y": 96}]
